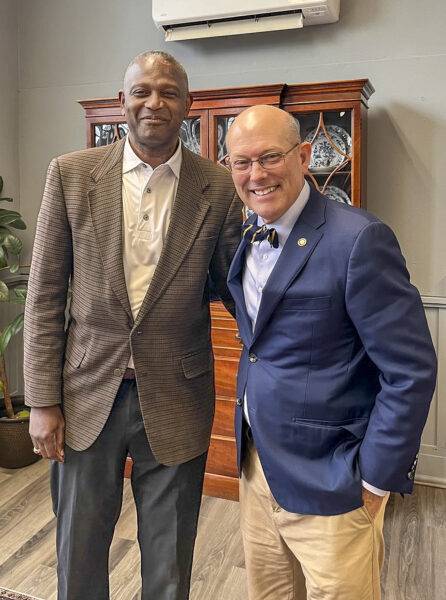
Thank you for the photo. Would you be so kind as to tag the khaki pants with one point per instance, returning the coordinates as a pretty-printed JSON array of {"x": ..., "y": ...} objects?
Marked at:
[{"x": 296, "y": 557}]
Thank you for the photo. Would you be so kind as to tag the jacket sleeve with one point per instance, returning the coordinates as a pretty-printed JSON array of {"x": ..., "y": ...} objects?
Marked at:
[
  {"x": 44, "y": 326},
  {"x": 388, "y": 314},
  {"x": 228, "y": 241}
]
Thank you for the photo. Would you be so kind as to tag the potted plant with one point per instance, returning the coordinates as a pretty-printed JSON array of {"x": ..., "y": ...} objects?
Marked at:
[{"x": 16, "y": 449}]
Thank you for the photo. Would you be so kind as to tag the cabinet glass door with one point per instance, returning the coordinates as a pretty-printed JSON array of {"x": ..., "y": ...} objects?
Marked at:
[
  {"x": 223, "y": 125},
  {"x": 220, "y": 121},
  {"x": 190, "y": 134},
  {"x": 330, "y": 135},
  {"x": 193, "y": 132},
  {"x": 107, "y": 133}
]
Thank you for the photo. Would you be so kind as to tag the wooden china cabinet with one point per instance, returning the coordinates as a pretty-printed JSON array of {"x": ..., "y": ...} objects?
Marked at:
[{"x": 332, "y": 116}]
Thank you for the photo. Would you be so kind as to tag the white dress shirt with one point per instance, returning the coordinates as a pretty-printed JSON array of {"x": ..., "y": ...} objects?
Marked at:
[
  {"x": 147, "y": 195},
  {"x": 260, "y": 259}
]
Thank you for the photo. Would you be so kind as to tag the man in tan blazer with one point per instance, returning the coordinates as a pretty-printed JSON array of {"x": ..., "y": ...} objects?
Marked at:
[{"x": 133, "y": 230}]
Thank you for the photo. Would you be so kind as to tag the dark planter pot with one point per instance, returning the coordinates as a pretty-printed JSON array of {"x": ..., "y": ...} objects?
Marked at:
[{"x": 16, "y": 447}]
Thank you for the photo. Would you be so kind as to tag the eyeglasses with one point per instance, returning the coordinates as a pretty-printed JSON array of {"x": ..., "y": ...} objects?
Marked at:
[{"x": 266, "y": 161}]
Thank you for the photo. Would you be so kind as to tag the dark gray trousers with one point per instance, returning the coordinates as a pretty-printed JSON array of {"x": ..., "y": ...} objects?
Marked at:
[{"x": 87, "y": 497}]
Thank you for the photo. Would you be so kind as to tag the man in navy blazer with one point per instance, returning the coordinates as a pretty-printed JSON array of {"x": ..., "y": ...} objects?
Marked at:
[{"x": 335, "y": 378}]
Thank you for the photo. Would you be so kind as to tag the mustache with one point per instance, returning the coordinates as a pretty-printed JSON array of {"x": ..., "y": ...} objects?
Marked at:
[{"x": 155, "y": 116}]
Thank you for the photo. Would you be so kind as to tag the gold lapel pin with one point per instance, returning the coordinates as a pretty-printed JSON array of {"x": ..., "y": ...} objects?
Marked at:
[{"x": 302, "y": 242}]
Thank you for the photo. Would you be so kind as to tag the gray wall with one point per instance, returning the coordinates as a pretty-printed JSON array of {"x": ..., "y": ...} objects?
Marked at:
[
  {"x": 9, "y": 161},
  {"x": 75, "y": 50}
]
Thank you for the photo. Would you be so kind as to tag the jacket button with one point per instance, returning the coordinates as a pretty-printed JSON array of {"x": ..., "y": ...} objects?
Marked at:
[
  {"x": 253, "y": 358},
  {"x": 239, "y": 402},
  {"x": 118, "y": 372}
]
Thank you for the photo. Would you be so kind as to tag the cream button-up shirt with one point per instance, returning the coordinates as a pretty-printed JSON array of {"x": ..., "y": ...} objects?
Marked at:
[{"x": 147, "y": 195}]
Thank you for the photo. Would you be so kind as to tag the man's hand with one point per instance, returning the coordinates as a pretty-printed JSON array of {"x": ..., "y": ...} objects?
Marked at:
[
  {"x": 372, "y": 502},
  {"x": 47, "y": 431}
]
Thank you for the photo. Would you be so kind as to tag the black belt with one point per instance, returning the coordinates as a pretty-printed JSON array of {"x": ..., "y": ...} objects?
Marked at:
[{"x": 129, "y": 374}]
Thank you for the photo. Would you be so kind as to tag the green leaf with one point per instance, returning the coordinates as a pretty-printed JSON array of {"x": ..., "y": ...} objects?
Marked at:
[
  {"x": 14, "y": 268},
  {"x": 1, "y": 188},
  {"x": 4, "y": 292},
  {"x": 7, "y": 211},
  {"x": 17, "y": 292},
  {"x": 3, "y": 258},
  {"x": 12, "y": 243},
  {"x": 9, "y": 217},
  {"x": 20, "y": 293},
  {"x": 19, "y": 224},
  {"x": 17, "y": 301},
  {"x": 12, "y": 329},
  {"x": 22, "y": 414},
  {"x": 4, "y": 231}
]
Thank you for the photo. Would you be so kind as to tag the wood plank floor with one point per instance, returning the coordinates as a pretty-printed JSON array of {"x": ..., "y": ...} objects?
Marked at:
[{"x": 415, "y": 533}]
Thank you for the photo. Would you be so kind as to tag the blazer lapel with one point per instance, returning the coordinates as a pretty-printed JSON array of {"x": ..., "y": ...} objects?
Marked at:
[
  {"x": 235, "y": 285},
  {"x": 105, "y": 201},
  {"x": 188, "y": 212},
  {"x": 292, "y": 258}
]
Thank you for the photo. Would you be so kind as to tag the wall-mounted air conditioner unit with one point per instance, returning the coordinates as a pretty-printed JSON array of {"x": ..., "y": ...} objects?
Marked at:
[{"x": 192, "y": 19}]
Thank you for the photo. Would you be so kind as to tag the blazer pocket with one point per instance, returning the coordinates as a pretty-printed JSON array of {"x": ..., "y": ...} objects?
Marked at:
[
  {"x": 75, "y": 356},
  {"x": 357, "y": 427},
  {"x": 205, "y": 239},
  {"x": 321, "y": 303},
  {"x": 197, "y": 363}
]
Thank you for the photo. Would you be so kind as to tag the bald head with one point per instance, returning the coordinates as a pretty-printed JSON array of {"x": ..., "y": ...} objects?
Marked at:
[
  {"x": 267, "y": 160},
  {"x": 265, "y": 117}
]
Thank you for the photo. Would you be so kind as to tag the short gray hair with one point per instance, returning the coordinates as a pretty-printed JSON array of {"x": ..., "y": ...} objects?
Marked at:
[
  {"x": 293, "y": 130},
  {"x": 165, "y": 57}
]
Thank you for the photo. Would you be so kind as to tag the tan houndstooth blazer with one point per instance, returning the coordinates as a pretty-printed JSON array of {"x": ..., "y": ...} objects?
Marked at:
[{"x": 79, "y": 242}]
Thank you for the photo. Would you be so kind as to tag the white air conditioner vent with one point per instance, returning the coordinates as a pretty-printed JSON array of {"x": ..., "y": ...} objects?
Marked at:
[{"x": 202, "y": 18}]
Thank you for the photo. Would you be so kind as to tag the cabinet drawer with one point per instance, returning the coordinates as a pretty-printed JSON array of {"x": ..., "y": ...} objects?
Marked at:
[
  {"x": 224, "y": 323},
  {"x": 222, "y": 457},
  {"x": 224, "y": 417},
  {"x": 224, "y": 340},
  {"x": 225, "y": 370},
  {"x": 220, "y": 486},
  {"x": 218, "y": 311}
]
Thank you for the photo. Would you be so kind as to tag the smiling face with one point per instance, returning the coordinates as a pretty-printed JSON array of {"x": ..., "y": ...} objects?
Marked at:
[
  {"x": 258, "y": 131},
  {"x": 154, "y": 101}
]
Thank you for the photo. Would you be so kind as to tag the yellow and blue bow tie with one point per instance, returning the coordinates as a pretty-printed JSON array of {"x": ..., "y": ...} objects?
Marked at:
[{"x": 253, "y": 233}]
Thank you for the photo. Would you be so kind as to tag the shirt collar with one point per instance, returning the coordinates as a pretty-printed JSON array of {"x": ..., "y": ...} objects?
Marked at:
[
  {"x": 130, "y": 160},
  {"x": 285, "y": 223}
]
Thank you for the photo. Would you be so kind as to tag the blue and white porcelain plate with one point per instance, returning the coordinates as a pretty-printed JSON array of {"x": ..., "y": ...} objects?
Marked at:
[
  {"x": 335, "y": 193},
  {"x": 324, "y": 157}
]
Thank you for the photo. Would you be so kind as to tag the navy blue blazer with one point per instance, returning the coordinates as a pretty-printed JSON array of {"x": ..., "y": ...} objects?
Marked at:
[{"x": 340, "y": 368}]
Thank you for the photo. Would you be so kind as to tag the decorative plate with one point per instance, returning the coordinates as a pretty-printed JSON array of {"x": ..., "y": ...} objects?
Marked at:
[
  {"x": 323, "y": 156},
  {"x": 190, "y": 134},
  {"x": 223, "y": 125},
  {"x": 335, "y": 193}
]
